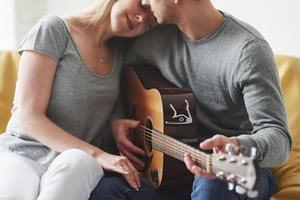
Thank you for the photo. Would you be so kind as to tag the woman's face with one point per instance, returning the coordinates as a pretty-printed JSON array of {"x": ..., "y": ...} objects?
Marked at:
[{"x": 130, "y": 18}]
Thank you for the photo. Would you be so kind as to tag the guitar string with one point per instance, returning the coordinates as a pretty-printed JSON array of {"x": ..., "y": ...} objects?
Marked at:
[
  {"x": 171, "y": 151},
  {"x": 149, "y": 137},
  {"x": 183, "y": 148},
  {"x": 179, "y": 143}
]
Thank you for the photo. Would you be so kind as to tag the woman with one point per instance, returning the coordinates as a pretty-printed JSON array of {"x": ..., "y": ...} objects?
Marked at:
[{"x": 67, "y": 87}]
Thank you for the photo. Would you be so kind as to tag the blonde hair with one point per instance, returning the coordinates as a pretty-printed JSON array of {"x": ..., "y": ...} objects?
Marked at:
[{"x": 95, "y": 14}]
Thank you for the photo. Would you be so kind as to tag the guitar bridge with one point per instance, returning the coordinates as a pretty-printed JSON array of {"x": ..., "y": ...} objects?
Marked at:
[{"x": 154, "y": 176}]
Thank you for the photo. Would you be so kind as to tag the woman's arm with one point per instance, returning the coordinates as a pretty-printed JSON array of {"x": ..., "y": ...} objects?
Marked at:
[{"x": 36, "y": 74}]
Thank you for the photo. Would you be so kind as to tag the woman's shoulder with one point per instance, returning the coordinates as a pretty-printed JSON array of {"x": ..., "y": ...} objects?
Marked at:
[
  {"x": 48, "y": 36},
  {"x": 52, "y": 22}
]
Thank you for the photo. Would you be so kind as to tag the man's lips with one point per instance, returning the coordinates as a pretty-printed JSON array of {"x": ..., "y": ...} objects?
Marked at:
[{"x": 129, "y": 24}]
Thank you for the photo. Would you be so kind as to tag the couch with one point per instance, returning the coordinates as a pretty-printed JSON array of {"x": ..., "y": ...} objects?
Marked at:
[{"x": 288, "y": 175}]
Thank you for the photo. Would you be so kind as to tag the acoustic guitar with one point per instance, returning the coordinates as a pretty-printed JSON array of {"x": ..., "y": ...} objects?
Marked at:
[{"x": 168, "y": 131}]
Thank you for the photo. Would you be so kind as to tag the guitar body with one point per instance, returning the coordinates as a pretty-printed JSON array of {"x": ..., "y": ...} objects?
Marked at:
[{"x": 160, "y": 105}]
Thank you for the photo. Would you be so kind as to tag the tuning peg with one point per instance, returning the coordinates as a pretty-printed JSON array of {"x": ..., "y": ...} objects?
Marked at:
[
  {"x": 242, "y": 150},
  {"x": 231, "y": 148},
  {"x": 244, "y": 162},
  {"x": 231, "y": 178},
  {"x": 232, "y": 160},
  {"x": 240, "y": 190},
  {"x": 220, "y": 175},
  {"x": 252, "y": 193},
  {"x": 230, "y": 186},
  {"x": 221, "y": 157},
  {"x": 243, "y": 181},
  {"x": 253, "y": 152}
]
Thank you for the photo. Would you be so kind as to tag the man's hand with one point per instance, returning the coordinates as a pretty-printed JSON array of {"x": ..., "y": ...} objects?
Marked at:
[
  {"x": 121, "y": 133},
  {"x": 216, "y": 143},
  {"x": 198, "y": 171}
]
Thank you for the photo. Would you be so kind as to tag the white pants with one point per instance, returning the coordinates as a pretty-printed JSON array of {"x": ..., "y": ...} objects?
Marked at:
[{"x": 71, "y": 176}]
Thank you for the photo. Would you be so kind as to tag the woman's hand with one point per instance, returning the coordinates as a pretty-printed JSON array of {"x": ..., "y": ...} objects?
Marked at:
[
  {"x": 121, "y": 132},
  {"x": 121, "y": 165}
]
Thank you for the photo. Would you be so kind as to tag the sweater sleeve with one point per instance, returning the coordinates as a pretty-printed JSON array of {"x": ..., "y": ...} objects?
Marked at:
[{"x": 257, "y": 78}]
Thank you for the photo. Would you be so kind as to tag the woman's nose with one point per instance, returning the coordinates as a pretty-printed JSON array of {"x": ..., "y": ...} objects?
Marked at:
[{"x": 139, "y": 18}]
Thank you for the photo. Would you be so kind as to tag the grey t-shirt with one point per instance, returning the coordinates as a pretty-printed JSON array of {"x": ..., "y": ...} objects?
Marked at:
[
  {"x": 233, "y": 76},
  {"x": 81, "y": 101}
]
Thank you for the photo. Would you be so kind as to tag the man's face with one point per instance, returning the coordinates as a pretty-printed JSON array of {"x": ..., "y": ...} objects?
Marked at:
[{"x": 162, "y": 10}]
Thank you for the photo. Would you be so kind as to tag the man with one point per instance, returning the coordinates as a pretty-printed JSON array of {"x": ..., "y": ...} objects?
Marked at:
[{"x": 230, "y": 68}]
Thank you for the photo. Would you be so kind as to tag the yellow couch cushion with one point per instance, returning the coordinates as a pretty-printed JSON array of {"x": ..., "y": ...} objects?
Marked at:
[
  {"x": 289, "y": 175},
  {"x": 8, "y": 74}
]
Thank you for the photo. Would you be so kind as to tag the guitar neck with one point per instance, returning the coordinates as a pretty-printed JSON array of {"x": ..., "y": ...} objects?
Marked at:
[{"x": 177, "y": 149}]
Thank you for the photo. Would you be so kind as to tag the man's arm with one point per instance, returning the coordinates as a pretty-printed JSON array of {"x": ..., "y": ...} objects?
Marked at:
[{"x": 257, "y": 79}]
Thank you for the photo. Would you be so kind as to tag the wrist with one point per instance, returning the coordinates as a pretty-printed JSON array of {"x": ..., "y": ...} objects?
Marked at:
[
  {"x": 234, "y": 140},
  {"x": 96, "y": 153}
]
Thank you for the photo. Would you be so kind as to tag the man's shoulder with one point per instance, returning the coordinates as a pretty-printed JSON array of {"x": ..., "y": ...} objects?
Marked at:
[
  {"x": 161, "y": 32},
  {"x": 243, "y": 28}
]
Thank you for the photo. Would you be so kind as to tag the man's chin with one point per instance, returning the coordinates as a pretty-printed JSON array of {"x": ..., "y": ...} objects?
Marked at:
[{"x": 161, "y": 21}]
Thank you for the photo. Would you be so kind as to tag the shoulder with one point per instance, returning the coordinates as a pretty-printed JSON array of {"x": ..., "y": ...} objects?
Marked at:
[
  {"x": 162, "y": 29},
  {"x": 242, "y": 28},
  {"x": 49, "y": 27},
  {"x": 48, "y": 36},
  {"x": 159, "y": 33},
  {"x": 51, "y": 20},
  {"x": 244, "y": 39},
  {"x": 238, "y": 35},
  {"x": 156, "y": 40},
  {"x": 51, "y": 23}
]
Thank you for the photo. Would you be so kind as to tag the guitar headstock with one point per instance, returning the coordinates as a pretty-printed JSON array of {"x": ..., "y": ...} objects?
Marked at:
[{"x": 238, "y": 170}]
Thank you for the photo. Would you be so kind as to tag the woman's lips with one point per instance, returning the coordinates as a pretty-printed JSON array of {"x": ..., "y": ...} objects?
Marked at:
[{"x": 129, "y": 24}]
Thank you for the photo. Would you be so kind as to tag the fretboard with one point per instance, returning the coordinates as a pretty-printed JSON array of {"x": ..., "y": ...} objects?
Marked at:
[{"x": 176, "y": 148}]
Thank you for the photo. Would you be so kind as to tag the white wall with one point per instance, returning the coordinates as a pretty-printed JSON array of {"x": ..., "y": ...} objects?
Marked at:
[
  {"x": 18, "y": 16},
  {"x": 277, "y": 20},
  {"x": 7, "y": 25},
  {"x": 62, "y": 7},
  {"x": 27, "y": 13}
]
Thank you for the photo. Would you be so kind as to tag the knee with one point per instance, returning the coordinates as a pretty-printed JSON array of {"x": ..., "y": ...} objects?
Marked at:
[
  {"x": 18, "y": 174},
  {"x": 77, "y": 162},
  {"x": 266, "y": 184},
  {"x": 205, "y": 188}
]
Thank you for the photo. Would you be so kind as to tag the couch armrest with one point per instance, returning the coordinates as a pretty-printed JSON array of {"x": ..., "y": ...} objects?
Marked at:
[
  {"x": 288, "y": 175},
  {"x": 9, "y": 61}
]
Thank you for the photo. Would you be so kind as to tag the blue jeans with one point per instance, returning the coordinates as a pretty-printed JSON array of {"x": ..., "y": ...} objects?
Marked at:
[
  {"x": 207, "y": 189},
  {"x": 116, "y": 188}
]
